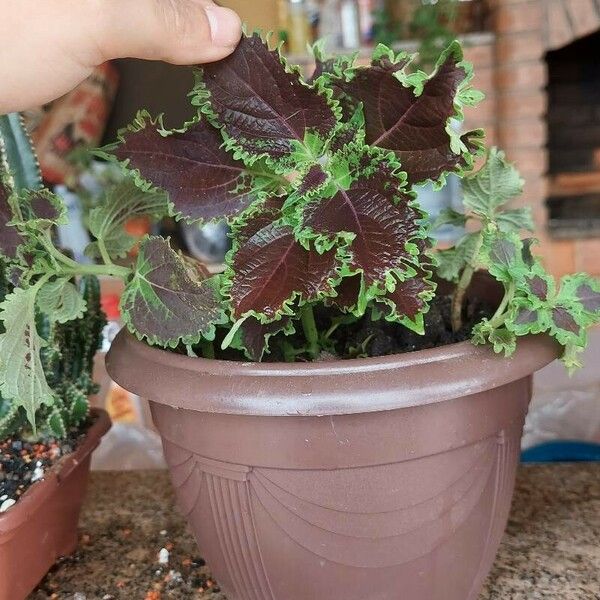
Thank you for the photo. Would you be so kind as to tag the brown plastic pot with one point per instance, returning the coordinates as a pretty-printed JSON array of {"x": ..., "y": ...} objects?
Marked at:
[
  {"x": 42, "y": 526},
  {"x": 368, "y": 479}
]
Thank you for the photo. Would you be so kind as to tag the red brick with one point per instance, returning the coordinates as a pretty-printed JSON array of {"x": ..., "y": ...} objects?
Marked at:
[
  {"x": 583, "y": 15},
  {"x": 560, "y": 32},
  {"x": 530, "y": 161},
  {"x": 522, "y": 105},
  {"x": 587, "y": 256},
  {"x": 484, "y": 79},
  {"x": 524, "y": 46},
  {"x": 480, "y": 56},
  {"x": 519, "y": 17},
  {"x": 522, "y": 76},
  {"x": 523, "y": 133},
  {"x": 558, "y": 256}
]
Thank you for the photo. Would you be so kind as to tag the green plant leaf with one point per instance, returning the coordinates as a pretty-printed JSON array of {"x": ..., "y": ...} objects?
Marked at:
[
  {"x": 22, "y": 377},
  {"x": 164, "y": 303},
  {"x": 515, "y": 219},
  {"x": 264, "y": 110},
  {"x": 10, "y": 238},
  {"x": 495, "y": 184},
  {"x": 122, "y": 202},
  {"x": 60, "y": 300},
  {"x": 452, "y": 261},
  {"x": 35, "y": 210},
  {"x": 449, "y": 216},
  {"x": 252, "y": 337}
]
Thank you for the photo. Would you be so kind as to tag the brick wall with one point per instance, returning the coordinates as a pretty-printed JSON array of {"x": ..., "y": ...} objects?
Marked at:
[{"x": 525, "y": 31}]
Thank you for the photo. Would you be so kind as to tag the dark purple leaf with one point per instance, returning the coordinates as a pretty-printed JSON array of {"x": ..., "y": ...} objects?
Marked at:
[
  {"x": 379, "y": 216},
  {"x": 564, "y": 320},
  {"x": 263, "y": 108},
  {"x": 589, "y": 297},
  {"x": 272, "y": 268},
  {"x": 526, "y": 253},
  {"x": 414, "y": 127},
  {"x": 538, "y": 287},
  {"x": 41, "y": 205},
  {"x": 165, "y": 302},
  {"x": 526, "y": 316},
  {"x": 312, "y": 181},
  {"x": 10, "y": 239},
  {"x": 503, "y": 252},
  {"x": 347, "y": 293},
  {"x": 268, "y": 212},
  {"x": 254, "y": 335},
  {"x": 202, "y": 179},
  {"x": 407, "y": 296}
]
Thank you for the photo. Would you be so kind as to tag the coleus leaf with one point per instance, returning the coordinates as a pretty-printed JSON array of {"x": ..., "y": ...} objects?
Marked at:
[
  {"x": 264, "y": 109},
  {"x": 515, "y": 219},
  {"x": 124, "y": 201},
  {"x": 378, "y": 220},
  {"x": 271, "y": 270},
  {"x": 10, "y": 238},
  {"x": 252, "y": 337},
  {"x": 21, "y": 369},
  {"x": 411, "y": 115},
  {"x": 202, "y": 180},
  {"x": 164, "y": 303},
  {"x": 582, "y": 291},
  {"x": 525, "y": 319},
  {"x": 60, "y": 300},
  {"x": 409, "y": 301},
  {"x": 492, "y": 186},
  {"x": 34, "y": 210},
  {"x": 452, "y": 261},
  {"x": 449, "y": 216}
]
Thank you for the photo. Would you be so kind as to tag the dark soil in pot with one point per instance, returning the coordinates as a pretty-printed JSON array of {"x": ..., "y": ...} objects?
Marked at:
[
  {"x": 42, "y": 525},
  {"x": 24, "y": 463}
]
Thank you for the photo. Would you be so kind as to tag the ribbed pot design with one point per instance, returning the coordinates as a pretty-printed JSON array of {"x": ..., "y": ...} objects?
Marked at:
[{"x": 374, "y": 479}]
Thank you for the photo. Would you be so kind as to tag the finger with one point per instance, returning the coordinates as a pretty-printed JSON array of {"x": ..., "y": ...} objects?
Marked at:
[{"x": 176, "y": 31}]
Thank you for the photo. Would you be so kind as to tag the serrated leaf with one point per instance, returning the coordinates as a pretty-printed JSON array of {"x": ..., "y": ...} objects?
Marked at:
[
  {"x": 122, "y": 202},
  {"x": 60, "y": 300},
  {"x": 411, "y": 115},
  {"x": 378, "y": 221},
  {"x": 37, "y": 209},
  {"x": 564, "y": 326},
  {"x": 271, "y": 269},
  {"x": 408, "y": 301},
  {"x": 202, "y": 180},
  {"x": 515, "y": 219},
  {"x": 252, "y": 337},
  {"x": 524, "y": 319},
  {"x": 164, "y": 304},
  {"x": 10, "y": 238},
  {"x": 449, "y": 216},
  {"x": 22, "y": 377},
  {"x": 495, "y": 184},
  {"x": 583, "y": 290},
  {"x": 502, "y": 340},
  {"x": 264, "y": 109},
  {"x": 452, "y": 261}
]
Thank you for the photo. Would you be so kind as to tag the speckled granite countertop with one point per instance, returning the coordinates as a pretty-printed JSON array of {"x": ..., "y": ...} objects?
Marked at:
[{"x": 551, "y": 549}]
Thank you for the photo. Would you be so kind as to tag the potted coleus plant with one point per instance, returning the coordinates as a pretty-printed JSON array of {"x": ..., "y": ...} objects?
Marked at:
[
  {"x": 331, "y": 429},
  {"x": 50, "y": 331}
]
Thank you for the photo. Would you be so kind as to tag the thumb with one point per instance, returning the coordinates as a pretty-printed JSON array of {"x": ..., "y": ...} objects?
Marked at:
[{"x": 176, "y": 31}]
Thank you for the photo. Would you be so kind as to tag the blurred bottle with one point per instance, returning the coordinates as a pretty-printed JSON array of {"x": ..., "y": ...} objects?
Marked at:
[
  {"x": 299, "y": 27},
  {"x": 350, "y": 20}
]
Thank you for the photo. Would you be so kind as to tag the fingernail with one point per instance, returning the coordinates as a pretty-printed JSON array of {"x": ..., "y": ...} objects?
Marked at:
[{"x": 225, "y": 26}]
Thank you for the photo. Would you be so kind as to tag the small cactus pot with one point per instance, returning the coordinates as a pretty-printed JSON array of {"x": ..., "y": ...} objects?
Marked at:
[{"x": 42, "y": 526}]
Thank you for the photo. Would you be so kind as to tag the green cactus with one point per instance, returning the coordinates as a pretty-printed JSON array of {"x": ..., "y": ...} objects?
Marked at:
[{"x": 67, "y": 349}]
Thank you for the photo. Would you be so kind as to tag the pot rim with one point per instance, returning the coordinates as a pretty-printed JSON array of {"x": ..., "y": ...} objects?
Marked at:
[
  {"x": 317, "y": 389},
  {"x": 36, "y": 495}
]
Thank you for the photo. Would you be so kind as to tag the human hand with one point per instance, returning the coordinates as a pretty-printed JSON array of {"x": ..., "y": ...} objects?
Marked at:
[{"x": 50, "y": 46}]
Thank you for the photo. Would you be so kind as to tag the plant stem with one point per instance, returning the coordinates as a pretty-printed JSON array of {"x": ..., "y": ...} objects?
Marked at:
[
  {"x": 70, "y": 266},
  {"x": 499, "y": 316},
  {"x": 310, "y": 331},
  {"x": 207, "y": 348},
  {"x": 463, "y": 286},
  {"x": 104, "y": 252}
]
